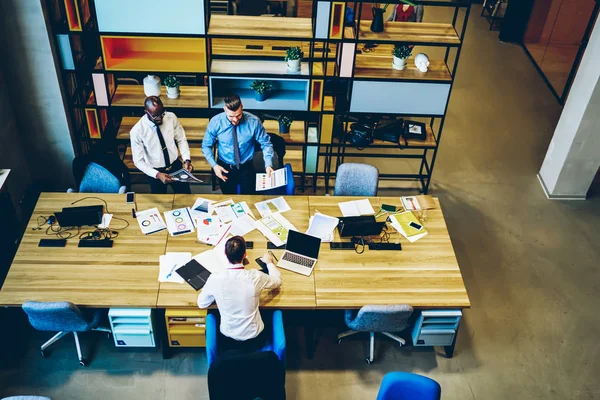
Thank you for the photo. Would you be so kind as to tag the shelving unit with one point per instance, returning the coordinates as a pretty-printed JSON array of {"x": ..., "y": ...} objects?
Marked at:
[
  {"x": 436, "y": 328},
  {"x": 132, "y": 327},
  {"x": 186, "y": 327},
  {"x": 106, "y": 47}
]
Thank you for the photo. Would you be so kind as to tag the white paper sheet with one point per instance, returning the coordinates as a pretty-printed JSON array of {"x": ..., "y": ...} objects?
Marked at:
[
  {"x": 243, "y": 225},
  {"x": 201, "y": 207},
  {"x": 410, "y": 203},
  {"x": 275, "y": 228},
  {"x": 322, "y": 226},
  {"x": 150, "y": 221},
  {"x": 278, "y": 178},
  {"x": 184, "y": 176},
  {"x": 168, "y": 263},
  {"x": 209, "y": 229},
  {"x": 213, "y": 260},
  {"x": 356, "y": 208},
  {"x": 271, "y": 206},
  {"x": 179, "y": 221},
  {"x": 106, "y": 218},
  {"x": 412, "y": 238},
  {"x": 230, "y": 212}
]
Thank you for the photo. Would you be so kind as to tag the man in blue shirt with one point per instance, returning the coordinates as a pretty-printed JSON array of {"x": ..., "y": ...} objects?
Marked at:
[{"x": 236, "y": 132}]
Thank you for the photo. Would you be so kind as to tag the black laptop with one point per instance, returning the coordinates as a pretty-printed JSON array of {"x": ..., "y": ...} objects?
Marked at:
[
  {"x": 79, "y": 216},
  {"x": 359, "y": 226},
  {"x": 194, "y": 273}
]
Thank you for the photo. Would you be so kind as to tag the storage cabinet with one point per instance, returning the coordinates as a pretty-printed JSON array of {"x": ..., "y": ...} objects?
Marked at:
[
  {"x": 185, "y": 327},
  {"x": 436, "y": 327},
  {"x": 132, "y": 327}
]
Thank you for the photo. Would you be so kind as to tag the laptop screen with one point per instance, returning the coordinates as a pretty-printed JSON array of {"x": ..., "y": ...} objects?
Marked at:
[{"x": 303, "y": 244}]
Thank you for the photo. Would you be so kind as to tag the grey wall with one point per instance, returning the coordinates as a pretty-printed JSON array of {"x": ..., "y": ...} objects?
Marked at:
[{"x": 32, "y": 87}]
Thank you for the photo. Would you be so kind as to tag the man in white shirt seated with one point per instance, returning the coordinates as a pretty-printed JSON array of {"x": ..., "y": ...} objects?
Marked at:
[
  {"x": 237, "y": 294},
  {"x": 156, "y": 141}
]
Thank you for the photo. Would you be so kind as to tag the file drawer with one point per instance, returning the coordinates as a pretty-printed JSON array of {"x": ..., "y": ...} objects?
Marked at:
[
  {"x": 436, "y": 327},
  {"x": 132, "y": 327},
  {"x": 185, "y": 327},
  {"x": 436, "y": 338}
]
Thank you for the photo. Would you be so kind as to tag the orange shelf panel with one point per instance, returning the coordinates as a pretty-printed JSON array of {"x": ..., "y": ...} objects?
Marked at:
[
  {"x": 156, "y": 54},
  {"x": 92, "y": 123},
  {"x": 73, "y": 18}
]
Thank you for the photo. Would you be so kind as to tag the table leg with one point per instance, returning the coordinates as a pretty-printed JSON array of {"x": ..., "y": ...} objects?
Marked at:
[
  {"x": 450, "y": 349},
  {"x": 163, "y": 337}
]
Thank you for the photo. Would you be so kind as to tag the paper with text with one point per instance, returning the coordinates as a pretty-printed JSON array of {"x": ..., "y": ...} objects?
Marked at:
[
  {"x": 278, "y": 178},
  {"x": 271, "y": 206}
]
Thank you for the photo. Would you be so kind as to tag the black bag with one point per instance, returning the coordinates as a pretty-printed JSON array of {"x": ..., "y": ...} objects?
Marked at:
[
  {"x": 361, "y": 135},
  {"x": 389, "y": 130}
]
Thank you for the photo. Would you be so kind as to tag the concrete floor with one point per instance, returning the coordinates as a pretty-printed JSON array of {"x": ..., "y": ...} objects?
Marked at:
[{"x": 530, "y": 266}]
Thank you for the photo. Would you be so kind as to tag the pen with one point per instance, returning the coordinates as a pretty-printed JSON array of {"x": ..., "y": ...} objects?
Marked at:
[
  {"x": 273, "y": 255},
  {"x": 171, "y": 272},
  {"x": 133, "y": 213}
]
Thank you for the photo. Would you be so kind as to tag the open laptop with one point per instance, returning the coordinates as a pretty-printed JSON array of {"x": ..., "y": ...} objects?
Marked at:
[{"x": 301, "y": 252}]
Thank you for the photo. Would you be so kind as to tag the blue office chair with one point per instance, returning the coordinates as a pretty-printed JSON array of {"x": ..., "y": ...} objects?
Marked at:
[
  {"x": 374, "y": 318},
  {"x": 259, "y": 167},
  {"x": 276, "y": 343},
  {"x": 64, "y": 317},
  {"x": 26, "y": 398},
  {"x": 353, "y": 179},
  {"x": 98, "y": 179},
  {"x": 407, "y": 386}
]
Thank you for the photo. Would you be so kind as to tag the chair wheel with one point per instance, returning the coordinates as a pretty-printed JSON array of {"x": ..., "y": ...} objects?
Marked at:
[
  {"x": 44, "y": 353},
  {"x": 83, "y": 362},
  {"x": 368, "y": 361},
  {"x": 339, "y": 341}
]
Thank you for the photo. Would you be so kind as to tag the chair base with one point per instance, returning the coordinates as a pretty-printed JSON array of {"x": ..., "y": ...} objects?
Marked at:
[
  {"x": 369, "y": 359},
  {"x": 82, "y": 361}
]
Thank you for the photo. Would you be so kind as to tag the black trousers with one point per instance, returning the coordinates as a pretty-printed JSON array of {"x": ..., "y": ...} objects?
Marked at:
[
  {"x": 245, "y": 177},
  {"x": 157, "y": 187}
]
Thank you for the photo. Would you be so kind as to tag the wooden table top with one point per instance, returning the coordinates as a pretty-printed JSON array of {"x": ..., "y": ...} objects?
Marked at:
[
  {"x": 296, "y": 291},
  {"x": 125, "y": 275},
  {"x": 423, "y": 274}
]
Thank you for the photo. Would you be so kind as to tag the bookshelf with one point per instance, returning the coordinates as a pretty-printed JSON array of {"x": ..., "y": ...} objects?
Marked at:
[{"x": 107, "y": 47}]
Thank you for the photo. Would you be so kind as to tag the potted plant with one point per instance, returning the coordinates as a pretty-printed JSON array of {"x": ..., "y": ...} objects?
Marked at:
[
  {"x": 293, "y": 56},
  {"x": 261, "y": 89},
  {"x": 285, "y": 121},
  {"x": 401, "y": 53},
  {"x": 172, "y": 84}
]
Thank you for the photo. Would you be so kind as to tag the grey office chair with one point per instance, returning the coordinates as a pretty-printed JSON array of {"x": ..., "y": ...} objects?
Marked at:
[
  {"x": 64, "y": 317},
  {"x": 353, "y": 179},
  {"x": 373, "y": 318},
  {"x": 26, "y": 398}
]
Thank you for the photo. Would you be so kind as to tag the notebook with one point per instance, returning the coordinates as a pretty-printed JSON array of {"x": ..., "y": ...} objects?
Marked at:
[{"x": 194, "y": 273}]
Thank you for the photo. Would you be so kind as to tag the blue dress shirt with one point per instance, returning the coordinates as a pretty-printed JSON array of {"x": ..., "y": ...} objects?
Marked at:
[{"x": 249, "y": 130}]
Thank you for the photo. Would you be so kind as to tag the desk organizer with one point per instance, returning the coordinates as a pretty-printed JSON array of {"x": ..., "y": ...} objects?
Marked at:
[
  {"x": 436, "y": 327},
  {"x": 185, "y": 327},
  {"x": 132, "y": 327}
]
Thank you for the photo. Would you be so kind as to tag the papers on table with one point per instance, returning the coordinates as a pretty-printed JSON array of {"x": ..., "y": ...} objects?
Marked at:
[
  {"x": 278, "y": 178},
  {"x": 242, "y": 225},
  {"x": 213, "y": 260},
  {"x": 184, "y": 176},
  {"x": 150, "y": 221},
  {"x": 415, "y": 203},
  {"x": 401, "y": 222},
  {"x": 271, "y": 206},
  {"x": 210, "y": 229},
  {"x": 231, "y": 211},
  {"x": 201, "y": 208},
  {"x": 356, "y": 208},
  {"x": 179, "y": 221},
  {"x": 322, "y": 226},
  {"x": 275, "y": 228},
  {"x": 168, "y": 263},
  {"x": 106, "y": 218}
]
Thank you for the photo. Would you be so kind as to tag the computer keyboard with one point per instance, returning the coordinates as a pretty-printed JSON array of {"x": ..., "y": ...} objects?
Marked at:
[{"x": 298, "y": 259}]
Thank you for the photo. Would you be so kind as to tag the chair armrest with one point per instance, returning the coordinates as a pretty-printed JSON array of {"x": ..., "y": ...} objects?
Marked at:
[
  {"x": 122, "y": 190},
  {"x": 290, "y": 188},
  {"x": 69, "y": 190},
  {"x": 279, "y": 344},
  {"x": 350, "y": 316},
  {"x": 211, "y": 338}
]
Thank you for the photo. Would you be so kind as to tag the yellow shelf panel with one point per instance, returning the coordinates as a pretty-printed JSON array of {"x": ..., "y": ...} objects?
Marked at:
[{"x": 271, "y": 27}]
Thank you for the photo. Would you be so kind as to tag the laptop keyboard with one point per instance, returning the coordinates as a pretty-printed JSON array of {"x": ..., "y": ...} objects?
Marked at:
[{"x": 297, "y": 259}]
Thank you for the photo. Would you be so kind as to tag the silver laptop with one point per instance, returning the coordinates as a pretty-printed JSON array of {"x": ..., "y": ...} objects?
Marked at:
[{"x": 301, "y": 252}]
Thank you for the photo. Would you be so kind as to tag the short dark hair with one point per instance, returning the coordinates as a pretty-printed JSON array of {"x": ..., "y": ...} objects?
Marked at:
[
  {"x": 232, "y": 102},
  {"x": 152, "y": 101},
  {"x": 235, "y": 248}
]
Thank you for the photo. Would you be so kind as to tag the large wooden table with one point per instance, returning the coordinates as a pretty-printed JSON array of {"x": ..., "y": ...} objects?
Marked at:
[{"x": 424, "y": 274}]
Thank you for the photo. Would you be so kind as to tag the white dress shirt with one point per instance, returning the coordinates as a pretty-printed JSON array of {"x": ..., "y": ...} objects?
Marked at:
[
  {"x": 237, "y": 293},
  {"x": 145, "y": 145}
]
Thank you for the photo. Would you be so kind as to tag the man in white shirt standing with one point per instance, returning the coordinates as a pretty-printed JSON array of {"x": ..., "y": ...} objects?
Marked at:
[
  {"x": 237, "y": 294},
  {"x": 156, "y": 141}
]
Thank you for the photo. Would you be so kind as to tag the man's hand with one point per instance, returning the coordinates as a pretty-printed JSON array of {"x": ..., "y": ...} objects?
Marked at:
[
  {"x": 220, "y": 172},
  {"x": 164, "y": 178},
  {"x": 188, "y": 166},
  {"x": 268, "y": 259},
  {"x": 269, "y": 171}
]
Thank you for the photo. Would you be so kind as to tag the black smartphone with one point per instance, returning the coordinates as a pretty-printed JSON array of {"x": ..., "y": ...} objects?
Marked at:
[
  {"x": 130, "y": 197},
  {"x": 415, "y": 225},
  {"x": 263, "y": 266},
  {"x": 52, "y": 243}
]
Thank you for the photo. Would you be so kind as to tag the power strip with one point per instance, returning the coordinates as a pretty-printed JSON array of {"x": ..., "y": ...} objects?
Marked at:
[{"x": 385, "y": 246}]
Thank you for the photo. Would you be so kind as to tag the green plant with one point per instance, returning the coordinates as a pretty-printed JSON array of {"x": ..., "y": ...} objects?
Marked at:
[
  {"x": 285, "y": 119},
  {"x": 171, "y": 81},
  {"x": 261, "y": 86},
  {"x": 293, "y": 53},
  {"x": 402, "y": 51}
]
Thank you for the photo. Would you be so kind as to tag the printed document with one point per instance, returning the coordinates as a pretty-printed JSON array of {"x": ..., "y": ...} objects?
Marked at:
[
  {"x": 179, "y": 221},
  {"x": 356, "y": 208},
  {"x": 150, "y": 221},
  {"x": 184, "y": 176},
  {"x": 322, "y": 226},
  {"x": 168, "y": 263},
  {"x": 233, "y": 211},
  {"x": 278, "y": 178},
  {"x": 275, "y": 228},
  {"x": 271, "y": 206}
]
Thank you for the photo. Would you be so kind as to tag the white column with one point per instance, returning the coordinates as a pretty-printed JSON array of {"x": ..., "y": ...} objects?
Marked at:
[{"x": 573, "y": 157}]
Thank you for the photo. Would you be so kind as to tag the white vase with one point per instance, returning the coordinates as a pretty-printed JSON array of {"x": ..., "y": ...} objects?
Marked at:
[
  {"x": 399, "y": 63},
  {"x": 152, "y": 85},
  {"x": 173, "y": 92},
  {"x": 293, "y": 65}
]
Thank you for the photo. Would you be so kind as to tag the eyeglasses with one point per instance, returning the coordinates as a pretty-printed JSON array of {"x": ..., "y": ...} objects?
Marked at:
[{"x": 155, "y": 117}]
